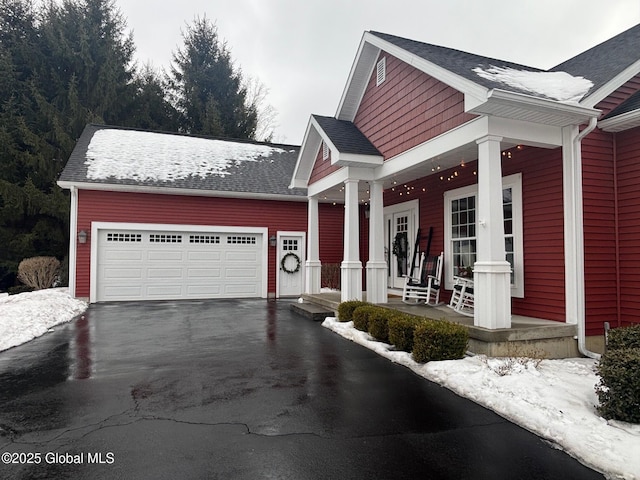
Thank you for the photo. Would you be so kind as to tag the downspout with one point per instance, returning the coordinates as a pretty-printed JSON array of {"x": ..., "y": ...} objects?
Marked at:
[
  {"x": 577, "y": 182},
  {"x": 73, "y": 232}
]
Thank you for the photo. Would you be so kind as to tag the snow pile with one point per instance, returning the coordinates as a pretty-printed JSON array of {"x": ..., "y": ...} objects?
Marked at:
[
  {"x": 555, "y": 399},
  {"x": 134, "y": 155},
  {"x": 28, "y": 315},
  {"x": 558, "y": 86}
]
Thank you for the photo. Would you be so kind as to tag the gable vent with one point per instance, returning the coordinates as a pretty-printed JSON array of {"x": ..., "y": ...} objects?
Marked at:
[
  {"x": 325, "y": 151},
  {"x": 381, "y": 70}
]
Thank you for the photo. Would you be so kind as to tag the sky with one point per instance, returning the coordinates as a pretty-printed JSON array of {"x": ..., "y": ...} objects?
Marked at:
[
  {"x": 302, "y": 51},
  {"x": 554, "y": 399}
]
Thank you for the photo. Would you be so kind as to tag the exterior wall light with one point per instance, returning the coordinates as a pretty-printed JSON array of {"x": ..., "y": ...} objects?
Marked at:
[
  {"x": 82, "y": 236},
  {"x": 273, "y": 241}
]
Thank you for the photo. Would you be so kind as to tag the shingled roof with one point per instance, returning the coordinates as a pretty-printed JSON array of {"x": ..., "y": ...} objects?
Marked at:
[
  {"x": 345, "y": 136},
  {"x": 122, "y": 157}
]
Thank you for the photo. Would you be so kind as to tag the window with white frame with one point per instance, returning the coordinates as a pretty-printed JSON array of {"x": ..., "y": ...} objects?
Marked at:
[{"x": 461, "y": 228}]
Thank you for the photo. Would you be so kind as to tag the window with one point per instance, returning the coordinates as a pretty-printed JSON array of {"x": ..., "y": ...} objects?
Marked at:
[
  {"x": 204, "y": 239},
  {"x": 381, "y": 71},
  {"x": 165, "y": 238},
  {"x": 237, "y": 240},
  {"x": 289, "y": 245},
  {"x": 124, "y": 237},
  {"x": 461, "y": 225}
]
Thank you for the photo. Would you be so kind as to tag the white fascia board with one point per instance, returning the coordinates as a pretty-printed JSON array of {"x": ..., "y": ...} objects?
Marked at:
[
  {"x": 306, "y": 156},
  {"x": 358, "y": 79},
  {"x": 612, "y": 85},
  {"x": 439, "y": 73},
  {"x": 339, "y": 177},
  {"x": 462, "y": 135},
  {"x": 109, "y": 187},
  {"x": 563, "y": 113},
  {"x": 347, "y": 159},
  {"x": 527, "y": 133},
  {"x": 621, "y": 122}
]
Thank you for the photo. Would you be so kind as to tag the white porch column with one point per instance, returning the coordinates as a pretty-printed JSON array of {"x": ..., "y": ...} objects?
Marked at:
[
  {"x": 376, "y": 266},
  {"x": 313, "y": 265},
  {"x": 351, "y": 266},
  {"x": 491, "y": 271}
]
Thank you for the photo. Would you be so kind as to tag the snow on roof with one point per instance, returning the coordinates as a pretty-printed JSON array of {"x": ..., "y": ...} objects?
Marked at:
[
  {"x": 558, "y": 86},
  {"x": 136, "y": 155}
]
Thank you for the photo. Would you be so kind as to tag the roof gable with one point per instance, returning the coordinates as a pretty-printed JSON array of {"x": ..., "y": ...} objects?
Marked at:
[{"x": 115, "y": 156}]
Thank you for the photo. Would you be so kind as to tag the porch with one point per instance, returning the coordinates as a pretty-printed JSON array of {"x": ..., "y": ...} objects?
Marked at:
[{"x": 526, "y": 337}]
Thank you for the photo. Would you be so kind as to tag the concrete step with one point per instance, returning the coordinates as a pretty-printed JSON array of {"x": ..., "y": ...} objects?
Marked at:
[
  {"x": 328, "y": 303},
  {"x": 315, "y": 312}
]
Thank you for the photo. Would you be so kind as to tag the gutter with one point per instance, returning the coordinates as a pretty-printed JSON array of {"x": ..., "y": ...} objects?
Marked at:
[{"x": 577, "y": 180}]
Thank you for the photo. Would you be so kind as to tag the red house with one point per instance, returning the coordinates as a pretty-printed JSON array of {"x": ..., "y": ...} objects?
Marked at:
[
  {"x": 168, "y": 216},
  {"x": 528, "y": 177}
]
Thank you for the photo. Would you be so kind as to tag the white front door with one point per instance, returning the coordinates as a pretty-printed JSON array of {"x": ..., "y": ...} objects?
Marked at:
[
  {"x": 400, "y": 234},
  {"x": 290, "y": 263}
]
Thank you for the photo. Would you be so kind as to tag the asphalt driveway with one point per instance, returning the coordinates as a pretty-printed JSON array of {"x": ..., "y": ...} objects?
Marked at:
[{"x": 241, "y": 389}]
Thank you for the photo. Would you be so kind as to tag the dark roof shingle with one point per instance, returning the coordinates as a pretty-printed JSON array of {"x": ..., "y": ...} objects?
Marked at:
[{"x": 346, "y": 137}]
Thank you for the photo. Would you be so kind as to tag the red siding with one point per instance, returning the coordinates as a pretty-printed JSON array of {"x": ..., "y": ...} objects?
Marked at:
[
  {"x": 599, "y": 230},
  {"x": 619, "y": 96},
  {"x": 98, "y": 206},
  {"x": 322, "y": 168},
  {"x": 408, "y": 108},
  {"x": 542, "y": 223},
  {"x": 628, "y": 175}
]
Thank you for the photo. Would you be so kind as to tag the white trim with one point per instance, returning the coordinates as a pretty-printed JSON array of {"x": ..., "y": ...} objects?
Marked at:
[
  {"x": 619, "y": 123},
  {"x": 109, "y": 187},
  {"x": 97, "y": 226},
  {"x": 612, "y": 85},
  {"x": 303, "y": 256},
  {"x": 73, "y": 240},
  {"x": 515, "y": 183}
]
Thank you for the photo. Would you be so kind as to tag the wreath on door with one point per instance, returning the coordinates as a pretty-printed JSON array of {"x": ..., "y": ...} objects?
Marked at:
[{"x": 283, "y": 263}]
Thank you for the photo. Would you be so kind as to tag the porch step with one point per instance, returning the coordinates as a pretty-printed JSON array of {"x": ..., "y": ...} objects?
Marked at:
[
  {"x": 315, "y": 312},
  {"x": 330, "y": 302}
]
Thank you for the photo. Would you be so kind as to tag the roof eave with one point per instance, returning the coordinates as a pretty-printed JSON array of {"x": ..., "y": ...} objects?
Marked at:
[
  {"x": 501, "y": 103},
  {"x": 307, "y": 155},
  {"x": 619, "y": 123},
  {"x": 595, "y": 97},
  {"x": 115, "y": 187}
]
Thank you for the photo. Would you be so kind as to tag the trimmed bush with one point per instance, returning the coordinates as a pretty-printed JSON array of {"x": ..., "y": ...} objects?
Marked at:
[
  {"x": 439, "y": 340},
  {"x": 378, "y": 327},
  {"x": 401, "y": 330},
  {"x": 361, "y": 317},
  {"x": 39, "y": 272},
  {"x": 345, "y": 309},
  {"x": 619, "y": 386},
  {"x": 625, "y": 337}
]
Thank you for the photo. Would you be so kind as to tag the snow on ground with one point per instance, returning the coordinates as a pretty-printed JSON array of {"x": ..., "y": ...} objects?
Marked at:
[
  {"x": 555, "y": 399},
  {"x": 26, "y": 316},
  {"x": 559, "y": 86},
  {"x": 165, "y": 157}
]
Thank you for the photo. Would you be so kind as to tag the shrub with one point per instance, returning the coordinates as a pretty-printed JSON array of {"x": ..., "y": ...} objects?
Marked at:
[
  {"x": 330, "y": 275},
  {"x": 39, "y": 272},
  {"x": 378, "y": 327},
  {"x": 17, "y": 289},
  {"x": 401, "y": 330},
  {"x": 361, "y": 317},
  {"x": 345, "y": 309},
  {"x": 439, "y": 340},
  {"x": 619, "y": 387},
  {"x": 625, "y": 337}
]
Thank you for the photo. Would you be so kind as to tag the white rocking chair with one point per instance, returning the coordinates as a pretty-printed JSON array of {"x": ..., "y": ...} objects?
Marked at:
[
  {"x": 425, "y": 288},
  {"x": 462, "y": 297}
]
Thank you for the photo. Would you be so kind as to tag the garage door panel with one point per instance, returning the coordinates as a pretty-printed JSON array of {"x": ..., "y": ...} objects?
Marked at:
[
  {"x": 164, "y": 273},
  {"x": 211, "y": 273},
  {"x": 118, "y": 255},
  {"x": 123, "y": 273},
  {"x": 138, "y": 265}
]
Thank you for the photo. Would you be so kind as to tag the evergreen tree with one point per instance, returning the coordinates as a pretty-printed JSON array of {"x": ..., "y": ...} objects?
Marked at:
[{"x": 207, "y": 89}]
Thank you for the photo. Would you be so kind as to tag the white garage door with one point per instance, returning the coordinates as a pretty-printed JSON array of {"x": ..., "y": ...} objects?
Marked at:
[{"x": 168, "y": 265}]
